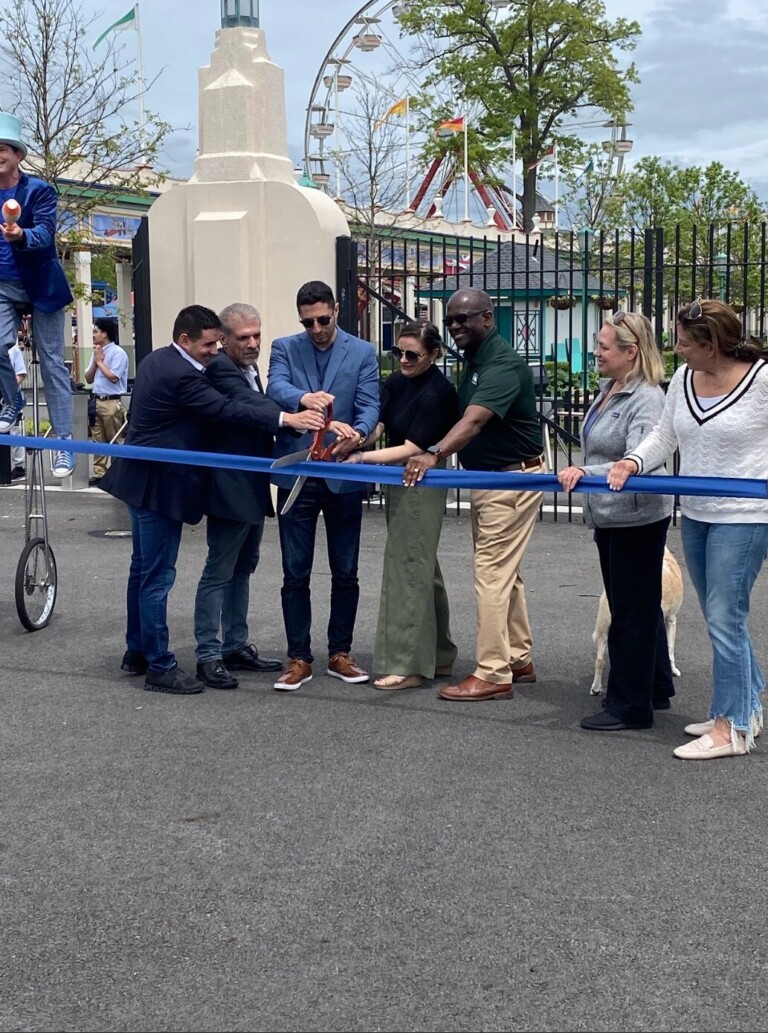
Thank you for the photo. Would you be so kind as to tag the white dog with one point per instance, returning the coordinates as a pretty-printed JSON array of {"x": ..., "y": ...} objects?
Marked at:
[{"x": 671, "y": 601}]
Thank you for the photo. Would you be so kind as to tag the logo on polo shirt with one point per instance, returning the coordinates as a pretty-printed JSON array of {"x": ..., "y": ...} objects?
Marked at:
[{"x": 475, "y": 379}]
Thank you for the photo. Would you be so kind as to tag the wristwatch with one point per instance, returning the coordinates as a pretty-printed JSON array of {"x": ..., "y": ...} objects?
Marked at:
[{"x": 434, "y": 450}]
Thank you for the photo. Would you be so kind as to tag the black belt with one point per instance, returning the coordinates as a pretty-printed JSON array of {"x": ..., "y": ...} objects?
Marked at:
[
  {"x": 524, "y": 464},
  {"x": 106, "y": 398}
]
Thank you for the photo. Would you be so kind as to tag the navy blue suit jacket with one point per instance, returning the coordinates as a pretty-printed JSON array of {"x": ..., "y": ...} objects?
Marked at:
[
  {"x": 174, "y": 406},
  {"x": 352, "y": 376},
  {"x": 40, "y": 271},
  {"x": 238, "y": 494}
]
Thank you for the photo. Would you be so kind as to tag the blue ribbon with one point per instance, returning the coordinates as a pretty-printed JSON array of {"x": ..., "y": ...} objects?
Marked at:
[{"x": 722, "y": 487}]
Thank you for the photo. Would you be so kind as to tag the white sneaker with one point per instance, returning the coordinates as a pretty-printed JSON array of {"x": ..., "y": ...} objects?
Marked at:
[{"x": 705, "y": 727}]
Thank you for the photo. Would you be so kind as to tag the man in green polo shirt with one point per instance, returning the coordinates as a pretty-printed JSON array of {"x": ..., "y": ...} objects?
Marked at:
[{"x": 499, "y": 429}]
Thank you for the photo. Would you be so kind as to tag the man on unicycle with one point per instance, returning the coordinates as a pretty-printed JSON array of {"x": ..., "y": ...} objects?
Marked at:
[{"x": 31, "y": 275}]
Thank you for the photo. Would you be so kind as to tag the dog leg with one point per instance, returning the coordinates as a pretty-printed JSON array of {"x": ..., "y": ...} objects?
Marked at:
[
  {"x": 597, "y": 682},
  {"x": 671, "y": 624}
]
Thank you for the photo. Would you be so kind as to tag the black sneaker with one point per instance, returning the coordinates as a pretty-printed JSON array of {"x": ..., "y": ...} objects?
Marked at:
[
  {"x": 215, "y": 675},
  {"x": 134, "y": 662},
  {"x": 175, "y": 682},
  {"x": 17, "y": 473}
]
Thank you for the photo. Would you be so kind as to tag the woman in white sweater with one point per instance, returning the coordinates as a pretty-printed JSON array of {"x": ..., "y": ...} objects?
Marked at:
[{"x": 716, "y": 414}]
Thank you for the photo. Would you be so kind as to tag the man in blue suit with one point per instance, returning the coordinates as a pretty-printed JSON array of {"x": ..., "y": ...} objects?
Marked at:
[
  {"x": 31, "y": 277},
  {"x": 311, "y": 370}
]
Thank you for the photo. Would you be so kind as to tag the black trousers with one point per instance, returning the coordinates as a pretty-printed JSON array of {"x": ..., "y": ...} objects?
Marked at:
[{"x": 631, "y": 561}]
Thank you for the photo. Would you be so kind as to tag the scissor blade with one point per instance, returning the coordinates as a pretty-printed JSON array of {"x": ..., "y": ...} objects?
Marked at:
[
  {"x": 294, "y": 495},
  {"x": 294, "y": 457}
]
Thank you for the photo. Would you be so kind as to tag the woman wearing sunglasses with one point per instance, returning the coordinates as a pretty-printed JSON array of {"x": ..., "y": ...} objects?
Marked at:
[
  {"x": 418, "y": 408},
  {"x": 631, "y": 530},
  {"x": 716, "y": 414}
]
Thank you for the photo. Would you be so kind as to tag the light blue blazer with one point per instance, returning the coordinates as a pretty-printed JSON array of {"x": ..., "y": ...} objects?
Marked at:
[{"x": 352, "y": 377}]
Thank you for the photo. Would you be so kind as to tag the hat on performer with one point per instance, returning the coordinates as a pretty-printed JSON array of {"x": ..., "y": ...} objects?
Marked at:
[{"x": 10, "y": 132}]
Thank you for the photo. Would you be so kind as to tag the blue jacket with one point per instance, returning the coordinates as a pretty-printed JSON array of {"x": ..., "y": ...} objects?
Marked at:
[
  {"x": 352, "y": 377},
  {"x": 40, "y": 271}
]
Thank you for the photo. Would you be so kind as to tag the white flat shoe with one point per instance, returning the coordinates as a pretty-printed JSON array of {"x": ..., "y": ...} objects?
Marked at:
[
  {"x": 705, "y": 749},
  {"x": 704, "y": 727}
]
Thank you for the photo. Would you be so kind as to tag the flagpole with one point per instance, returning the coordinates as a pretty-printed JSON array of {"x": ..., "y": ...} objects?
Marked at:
[
  {"x": 140, "y": 70},
  {"x": 557, "y": 191},
  {"x": 514, "y": 179},
  {"x": 407, "y": 152},
  {"x": 466, "y": 169}
]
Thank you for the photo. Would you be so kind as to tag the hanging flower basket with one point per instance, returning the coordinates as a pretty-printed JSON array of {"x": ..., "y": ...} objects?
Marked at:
[
  {"x": 604, "y": 301},
  {"x": 563, "y": 302},
  {"x": 737, "y": 306}
]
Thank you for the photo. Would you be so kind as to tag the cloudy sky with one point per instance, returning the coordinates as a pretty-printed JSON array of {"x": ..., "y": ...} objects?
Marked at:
[{"x": 703, "y": 65}]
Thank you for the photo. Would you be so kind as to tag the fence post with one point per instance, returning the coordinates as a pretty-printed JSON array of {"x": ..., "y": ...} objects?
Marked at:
[
  {"x": 660, "y": 293},
  {"x": 346, "y": 284},
  {"x": 142, "y": 296},
  {"x": 648, "y": 263}
]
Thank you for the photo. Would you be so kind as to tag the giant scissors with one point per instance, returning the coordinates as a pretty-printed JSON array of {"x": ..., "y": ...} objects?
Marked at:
[{"x": 318, "y": 452}]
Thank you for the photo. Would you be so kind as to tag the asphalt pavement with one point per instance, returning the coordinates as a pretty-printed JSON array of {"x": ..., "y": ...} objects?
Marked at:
[{"x": 345, "y": 859}]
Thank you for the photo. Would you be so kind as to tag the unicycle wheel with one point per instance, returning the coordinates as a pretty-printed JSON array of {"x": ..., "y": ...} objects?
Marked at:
[{"x": 36, "y": 582}]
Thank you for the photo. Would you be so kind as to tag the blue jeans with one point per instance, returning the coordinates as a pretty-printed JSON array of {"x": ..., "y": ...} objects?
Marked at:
[
  {"x": 156, "y": 540},
  {"x": 723, "y": 562},
  {"x": 343, "y": 515},
  {"x": 223, "y": 591},
  {"x": 48, "y": 333}
]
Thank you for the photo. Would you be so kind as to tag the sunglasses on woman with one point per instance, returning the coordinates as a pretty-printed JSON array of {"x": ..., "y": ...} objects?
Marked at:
[
  {"x": 619, "y": 317},
  {"x": 401, "y": 353},
  {"x": 695, "y": 311}
]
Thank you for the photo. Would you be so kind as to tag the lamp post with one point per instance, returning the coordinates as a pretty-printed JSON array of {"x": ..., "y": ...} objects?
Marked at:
[
  {"x": 239, "y": 13},
  {"x": 721, "y": 268},
  {"x": 585, "y": 234}
]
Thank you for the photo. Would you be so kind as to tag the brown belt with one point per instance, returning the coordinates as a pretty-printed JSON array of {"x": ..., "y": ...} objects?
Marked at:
[{"x": 524, "y": 464}]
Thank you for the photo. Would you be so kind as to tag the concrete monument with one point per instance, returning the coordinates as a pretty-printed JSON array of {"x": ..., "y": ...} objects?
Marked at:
[{"x": 241, "y": 229}]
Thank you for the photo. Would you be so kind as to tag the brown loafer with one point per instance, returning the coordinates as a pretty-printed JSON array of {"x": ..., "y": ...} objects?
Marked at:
[
  {"x": 524, "y": 674},
  {"x": 473, "y": 688}
]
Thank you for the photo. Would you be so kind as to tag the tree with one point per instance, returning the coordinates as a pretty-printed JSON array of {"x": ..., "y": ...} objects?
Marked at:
[
  {"x": 532, "y": 69},
  {"x": 710, "y": 221},
  {"x": 74, "y": 105}
]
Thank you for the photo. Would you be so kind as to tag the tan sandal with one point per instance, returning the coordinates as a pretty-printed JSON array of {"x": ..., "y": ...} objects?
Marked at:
[{"x": 399, "y": 681}]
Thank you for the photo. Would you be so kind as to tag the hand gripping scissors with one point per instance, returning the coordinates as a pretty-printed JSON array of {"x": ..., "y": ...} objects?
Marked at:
[{"x": 317, "y": 453}]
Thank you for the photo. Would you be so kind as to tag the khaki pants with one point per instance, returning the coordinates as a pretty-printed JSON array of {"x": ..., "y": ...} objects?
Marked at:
[
  {"x": 110, "y": 416},
  {"x": 502, "y": 523}
]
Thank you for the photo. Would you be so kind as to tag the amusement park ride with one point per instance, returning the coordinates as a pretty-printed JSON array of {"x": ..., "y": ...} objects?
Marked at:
[{"x": 371, "y": 54}]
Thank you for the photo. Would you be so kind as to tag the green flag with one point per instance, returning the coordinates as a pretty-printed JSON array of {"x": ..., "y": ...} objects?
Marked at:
[{"x": 128, "y": 21}]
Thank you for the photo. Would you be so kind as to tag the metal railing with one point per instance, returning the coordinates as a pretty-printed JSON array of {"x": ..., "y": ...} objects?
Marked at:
[{"x": 552, "y": 293}]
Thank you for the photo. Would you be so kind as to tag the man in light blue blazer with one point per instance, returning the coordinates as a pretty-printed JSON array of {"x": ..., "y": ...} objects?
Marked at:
[{"x": 311, "y": 370}]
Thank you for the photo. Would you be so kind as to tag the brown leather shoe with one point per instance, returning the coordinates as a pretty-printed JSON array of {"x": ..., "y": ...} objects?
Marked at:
[
  {"x": 297, "y": 673},
  {"x": 524, "y": 674},
  {"x": 473, "y": 688},
  {"x": 342, "y": 665}
]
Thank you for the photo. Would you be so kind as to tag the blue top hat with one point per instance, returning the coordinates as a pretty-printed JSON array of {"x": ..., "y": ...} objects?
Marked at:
[{"x": 10, "y": 132}]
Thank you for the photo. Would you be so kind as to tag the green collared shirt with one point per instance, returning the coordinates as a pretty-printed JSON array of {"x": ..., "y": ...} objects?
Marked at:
[{"x": 497, "y": 378}]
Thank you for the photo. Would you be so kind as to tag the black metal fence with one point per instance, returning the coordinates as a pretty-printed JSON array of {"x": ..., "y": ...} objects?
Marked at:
[{"x": 552, "y": 293}]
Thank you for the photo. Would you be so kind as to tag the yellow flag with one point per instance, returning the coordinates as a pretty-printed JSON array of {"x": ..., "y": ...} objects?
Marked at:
[{"x": 398, "y": 108}]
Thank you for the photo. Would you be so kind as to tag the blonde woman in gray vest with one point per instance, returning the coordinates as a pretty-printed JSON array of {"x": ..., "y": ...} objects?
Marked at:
[{"x": 630, "y": 530}]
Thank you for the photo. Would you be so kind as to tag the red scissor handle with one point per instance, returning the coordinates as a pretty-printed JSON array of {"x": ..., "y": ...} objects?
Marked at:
[{"x": 319, "y": 452}]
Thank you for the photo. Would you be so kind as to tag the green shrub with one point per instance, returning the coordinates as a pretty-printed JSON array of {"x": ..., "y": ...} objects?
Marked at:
[{"x": 564, "y": 380}]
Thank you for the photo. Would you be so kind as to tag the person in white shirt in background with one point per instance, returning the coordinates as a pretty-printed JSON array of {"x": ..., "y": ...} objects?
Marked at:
[
  {"x": 716, "y": 414},
  {"x": 108, "y": 372}
]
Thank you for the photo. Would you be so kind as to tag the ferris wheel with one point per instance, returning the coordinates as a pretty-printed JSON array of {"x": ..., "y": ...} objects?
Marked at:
[{"x": 359, "y": 141}]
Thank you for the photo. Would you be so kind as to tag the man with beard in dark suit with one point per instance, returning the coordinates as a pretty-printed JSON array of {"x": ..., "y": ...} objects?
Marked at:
[
  {"x": 173, "y": 406},
  {"x": 238, "y": 502}
]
